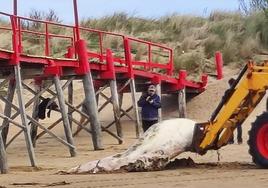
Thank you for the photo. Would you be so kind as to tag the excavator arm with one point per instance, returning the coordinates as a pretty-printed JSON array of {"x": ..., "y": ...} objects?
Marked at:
[{"x": 238, "y": 102}]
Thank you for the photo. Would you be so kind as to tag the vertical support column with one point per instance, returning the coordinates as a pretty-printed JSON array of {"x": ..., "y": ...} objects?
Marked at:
[
  {"x": 90, "y": 99},
  {"x": 171, "y": 64},
  {"x": 182, "y": 94},
  {"x": 67, "y": 129},
  {"x": 3, "y": 158},
  {"x": 158, "y": 92},
  {"x": 7, "y": 110},
  {"x": 135, "y": 107},
  {"x": 116, "y": 108},
  {"x": 70, "y": 55},
  {"x": 70, "y": 100},
  {"x": 182, "y": 103},
  {"x": 114, "y": 92},
  {"x": 97, "y": 99},
  {"x": 120, "y": 99},
  {"x": 91, "y": 104},
  {"x": 23, "y": 116},
  {"x": 219, "y": 64},
  {"x": 34, "y": 128},
  {"x": 127, "y": 47}
]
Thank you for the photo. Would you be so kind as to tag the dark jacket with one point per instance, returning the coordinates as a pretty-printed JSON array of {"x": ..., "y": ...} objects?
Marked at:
[
  {"x": 149, "y": 111},
  {"x": 45, "y": 105}
]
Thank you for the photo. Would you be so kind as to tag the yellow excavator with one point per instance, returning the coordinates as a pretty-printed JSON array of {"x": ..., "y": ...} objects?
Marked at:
[{"x": 238, "y": 102}]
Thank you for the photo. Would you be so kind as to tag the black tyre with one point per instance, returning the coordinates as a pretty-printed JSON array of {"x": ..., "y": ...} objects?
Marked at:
[{"x": 258, "y": 141}]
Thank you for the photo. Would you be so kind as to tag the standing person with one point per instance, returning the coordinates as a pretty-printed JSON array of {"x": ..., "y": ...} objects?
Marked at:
[
  {"x": 149, "y": 103},
  {"x": 239, "y": 135},
  {"x": 239, "y": 125}
]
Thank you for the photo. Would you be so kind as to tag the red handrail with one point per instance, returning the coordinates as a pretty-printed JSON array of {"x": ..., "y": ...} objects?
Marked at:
[
  {"x": 103, "y": 32},
  {"x": 127, "y": 60},
  {"x": 101, "y": 56},
  {"x": 19, "y": 31}
]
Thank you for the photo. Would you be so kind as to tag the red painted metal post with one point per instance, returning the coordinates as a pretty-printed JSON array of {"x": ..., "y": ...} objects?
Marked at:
[
  {"x": 47, "y": 46},
  {"x": 19, "y": 36},
  {"x": 76, "y": 19},
  {"x": 17, "y": 22},
  {"x": 110, "y": 62},
  {"x": 74, "y": 41},
  {"x": 110, "y": 73},
  {"x": 150, "y": 57},
  {"x": 15, "y": 56},
  {"x": 170, "y": 65},
  {"x": 128, "y": 57},
  {"x": 204, "y": 79},
  {"x": 219, "y": 64},
  {"x": 114, "y": 93},
  {"x": 70, "y": 53},
  {"x": 81, "y": 49},
  {"x": 52, "y": 69},
  {"x": 101, "y": 47},
  {"x": 182, "y": 79}
]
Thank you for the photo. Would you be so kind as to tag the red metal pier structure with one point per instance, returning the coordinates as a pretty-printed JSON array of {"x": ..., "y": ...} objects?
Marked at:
[{"x": 87, "y": 58}]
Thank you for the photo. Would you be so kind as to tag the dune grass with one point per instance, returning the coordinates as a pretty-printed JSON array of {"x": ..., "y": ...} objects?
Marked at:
[{"x": 194, "y": 39}]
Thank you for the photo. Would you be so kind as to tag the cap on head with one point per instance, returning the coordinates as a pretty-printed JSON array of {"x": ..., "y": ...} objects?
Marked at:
[{"x": 151, "y": 88}]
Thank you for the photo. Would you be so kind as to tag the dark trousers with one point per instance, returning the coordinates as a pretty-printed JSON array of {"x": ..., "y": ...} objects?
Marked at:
[
  {"x": 239, "y": 134},
  {"x": 147, "y": 124}
]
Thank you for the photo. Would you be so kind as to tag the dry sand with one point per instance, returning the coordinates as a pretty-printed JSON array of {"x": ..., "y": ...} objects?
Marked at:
[{"x": 234, "y": 168}]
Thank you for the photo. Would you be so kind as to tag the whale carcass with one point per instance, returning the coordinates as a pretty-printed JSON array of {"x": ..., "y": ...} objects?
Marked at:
[{"x": 153, "y": 151}]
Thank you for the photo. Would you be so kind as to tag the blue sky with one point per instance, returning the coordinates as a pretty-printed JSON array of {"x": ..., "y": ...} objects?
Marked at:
[{"x": 144, "y": 8}]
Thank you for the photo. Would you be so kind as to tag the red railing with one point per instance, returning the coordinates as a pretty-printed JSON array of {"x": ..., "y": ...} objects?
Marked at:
[
  {"x": 47, "y": 34},
  {"x": 126, "y": 47},
  {"x": 17, "y": 29},
  {"x": 148, "y": 65}
]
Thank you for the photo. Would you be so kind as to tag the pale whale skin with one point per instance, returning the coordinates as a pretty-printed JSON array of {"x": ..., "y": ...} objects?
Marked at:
[{"x": 153, "y": 151}]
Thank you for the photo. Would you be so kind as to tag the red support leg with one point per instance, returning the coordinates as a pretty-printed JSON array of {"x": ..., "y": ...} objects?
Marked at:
[{"x": 219, "y": 64}]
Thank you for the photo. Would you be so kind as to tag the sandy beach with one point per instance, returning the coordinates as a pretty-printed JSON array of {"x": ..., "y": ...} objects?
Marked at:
[{"x": 230, "y": 166}]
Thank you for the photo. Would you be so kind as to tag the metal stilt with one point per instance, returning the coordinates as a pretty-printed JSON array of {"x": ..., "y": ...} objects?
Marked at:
[
  {"x": 116, "y": 108},
  {"x": 34, "y": 127},
  {"x": 158, "y": 91},
  {"x": 67, "y": 129},
  {"x": 24, "y": 116},
  {"x": 91, "y": 104},
  {"x": 3, "y": 158},
  {"x": 7, "y": 111},
  {"x": 182, "y": 103},
  {"x": 135, "y": 106}
]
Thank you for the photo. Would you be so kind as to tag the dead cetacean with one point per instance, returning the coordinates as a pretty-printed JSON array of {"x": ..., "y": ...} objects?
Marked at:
[{"x": 153, "y": 151}]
